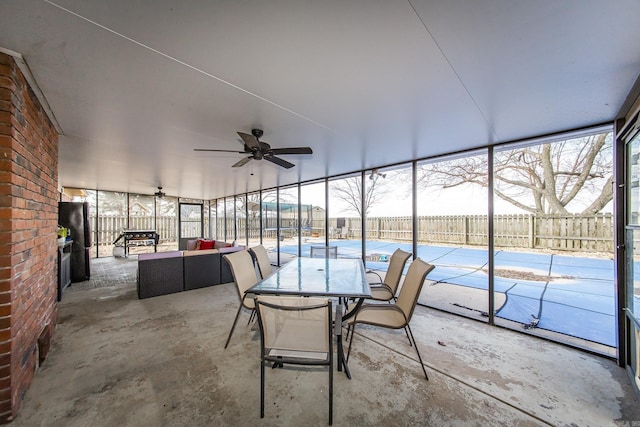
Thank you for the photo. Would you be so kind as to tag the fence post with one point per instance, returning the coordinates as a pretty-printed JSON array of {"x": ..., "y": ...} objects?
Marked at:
[
  {"x": 532, "y": 226},
  {"x": 465, "y": 231}
]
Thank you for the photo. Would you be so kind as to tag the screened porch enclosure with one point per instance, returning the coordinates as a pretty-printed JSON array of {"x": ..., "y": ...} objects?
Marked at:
[{"x": 543, "y": 271}]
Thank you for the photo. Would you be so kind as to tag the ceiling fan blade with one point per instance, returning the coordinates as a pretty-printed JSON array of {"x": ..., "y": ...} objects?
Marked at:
[
  {"x": 280, "y": 162},
  {"x": 250, "y": 140},
  {"x": 292, "y": 150},
  {"x": 219, "y": 151},
  {"x": 242, "y": 162}
]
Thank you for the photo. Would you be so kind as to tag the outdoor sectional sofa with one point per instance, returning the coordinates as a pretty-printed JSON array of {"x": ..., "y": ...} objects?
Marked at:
[{"x": 176, "y": 271}]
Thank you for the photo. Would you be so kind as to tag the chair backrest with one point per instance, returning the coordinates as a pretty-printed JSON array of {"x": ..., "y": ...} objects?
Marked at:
[
  {"x": 324, "y": 252},
  {"x": 244, "y": 274},
  {"x": 262, "y": 258},
  {"x": 394, "y": 272},
  {"x": 295, "y": 324},
  {"x": 412, "y": 286}
]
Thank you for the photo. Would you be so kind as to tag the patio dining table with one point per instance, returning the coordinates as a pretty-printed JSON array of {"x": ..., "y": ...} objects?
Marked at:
[{"x": 342, "y": 278}]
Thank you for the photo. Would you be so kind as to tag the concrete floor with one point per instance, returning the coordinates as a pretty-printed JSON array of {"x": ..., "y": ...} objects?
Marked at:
[{"x": 116, "y": 360}]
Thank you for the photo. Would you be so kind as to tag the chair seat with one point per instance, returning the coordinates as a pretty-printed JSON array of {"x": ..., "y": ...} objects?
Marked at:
[
  {"x": 380, "y": 315},
  {"x": 379, "y": 293}
]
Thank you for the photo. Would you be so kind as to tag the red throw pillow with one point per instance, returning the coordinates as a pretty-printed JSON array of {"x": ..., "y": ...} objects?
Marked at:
[{"x": 207, "y": 244}]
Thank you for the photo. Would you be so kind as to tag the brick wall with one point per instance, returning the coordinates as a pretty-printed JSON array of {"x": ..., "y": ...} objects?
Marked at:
[{"x": 28, "y": 222}]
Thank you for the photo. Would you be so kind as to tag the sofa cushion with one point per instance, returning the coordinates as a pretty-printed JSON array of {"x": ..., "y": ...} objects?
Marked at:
[
  {"x": 230, "y": 249},
  {"x": 220, "y": 244},
  {"x": 200, "y": 252},
  {"x": 159, "y": 255},
  {"x": 191, "y": 244}
]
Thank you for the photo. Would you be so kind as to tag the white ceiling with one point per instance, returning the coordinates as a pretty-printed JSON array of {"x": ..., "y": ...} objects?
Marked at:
[{"x": 136, "y": 85}]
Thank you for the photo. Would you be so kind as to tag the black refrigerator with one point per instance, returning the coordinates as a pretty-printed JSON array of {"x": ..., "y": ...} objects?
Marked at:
[{"x": 75, "y": 217}]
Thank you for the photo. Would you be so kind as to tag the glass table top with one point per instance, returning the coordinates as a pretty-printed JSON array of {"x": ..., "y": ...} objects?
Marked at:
[{"x": 317, "y": 276}]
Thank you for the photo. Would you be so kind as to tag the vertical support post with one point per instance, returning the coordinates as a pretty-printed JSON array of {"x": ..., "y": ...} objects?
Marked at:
[
  {"x": 326, "y": 212},
  {"x": 414, "y": 207},
  {"x": 363, "y": 219},
  {"x": 278, "y": 225},
  {"x": 299, "y": 220},
  {"x": 620, "y": 211},
  {"x": 246, "y": 218},
  {"x": 490, "y": 232},
  {"x": 98, "y": 229},
  {"x": 235, "y": 217},
  {"x": 260, "y": 214}
]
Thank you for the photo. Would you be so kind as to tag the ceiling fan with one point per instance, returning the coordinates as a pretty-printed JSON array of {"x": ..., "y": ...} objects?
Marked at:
[
  {"x": 259, "y": 150},
  {"x": 159, "y": 194}
]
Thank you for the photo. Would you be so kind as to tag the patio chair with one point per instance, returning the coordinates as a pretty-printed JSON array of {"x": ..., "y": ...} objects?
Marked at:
[
  {"x": 262, "y": 258},
  {"x": 244, "y": 276},
  {"x": 385, "y": 290},
  {"x": 344, "y": 233},
  {"x": 324, "y": 252},
  {"x": 396, "y": 315},
  {"x": 295, "y": 330}
]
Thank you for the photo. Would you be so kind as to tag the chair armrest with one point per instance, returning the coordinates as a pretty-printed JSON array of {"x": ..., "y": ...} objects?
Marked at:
[
  {"x": 373, "y": 272},
  {"x": 381, "y": 286}
]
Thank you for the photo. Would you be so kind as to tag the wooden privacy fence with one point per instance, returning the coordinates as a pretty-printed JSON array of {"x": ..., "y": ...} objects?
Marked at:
[
  {"x": 584, "y": 233},
  {"x": 108, "y": 228},
  {"x": 573, "y": 232}
]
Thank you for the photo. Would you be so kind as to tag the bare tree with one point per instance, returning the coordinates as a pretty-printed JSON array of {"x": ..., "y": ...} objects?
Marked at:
[
  {"x": 541, "y": 179},
  {"x": 349, "y": 190}
]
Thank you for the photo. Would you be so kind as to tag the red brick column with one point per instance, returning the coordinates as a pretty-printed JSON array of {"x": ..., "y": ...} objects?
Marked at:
[{"x": 28, "y": 222}]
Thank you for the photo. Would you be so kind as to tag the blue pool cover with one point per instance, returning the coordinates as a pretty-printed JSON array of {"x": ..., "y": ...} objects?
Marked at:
[{"x": 571, "y": 295}]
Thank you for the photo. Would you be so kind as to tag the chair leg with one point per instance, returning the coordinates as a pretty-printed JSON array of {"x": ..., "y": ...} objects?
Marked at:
[
  {"x": 262, "y": 389},
  {"x": 234, "y": 326},
  {"x": 353, "y": 332},
  {"x": 415, "y": 345},
  {"x": 407, "y": 333},
  {"x": 331, "y": 392},
  {"x": 251, "y": 316}
]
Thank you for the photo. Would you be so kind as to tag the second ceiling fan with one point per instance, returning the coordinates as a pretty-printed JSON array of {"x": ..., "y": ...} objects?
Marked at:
[{"x": 259, "y": 150}]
